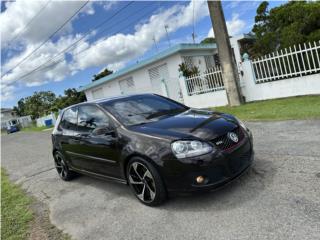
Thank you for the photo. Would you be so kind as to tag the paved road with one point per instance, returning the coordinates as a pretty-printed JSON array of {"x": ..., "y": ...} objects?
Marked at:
[{"x": 279, "y": 198}]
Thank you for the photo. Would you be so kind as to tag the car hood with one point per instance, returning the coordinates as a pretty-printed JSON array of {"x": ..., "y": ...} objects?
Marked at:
[{"x": 201, "y": 124}]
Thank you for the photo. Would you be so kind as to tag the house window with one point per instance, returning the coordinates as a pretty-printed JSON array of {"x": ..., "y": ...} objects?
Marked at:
[
  {"x": 209, "y": 61},
  {"x": 127, "y": 86},
  {"x": 97, "y": 93},
  {"x": 188, "y": 60}
]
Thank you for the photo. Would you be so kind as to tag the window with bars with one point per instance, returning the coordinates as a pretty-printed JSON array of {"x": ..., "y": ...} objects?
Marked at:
[
  {"x": 209, "y": 61},
  {"x": 127, "y": 85},
  {"x": 188, "y": 60}
]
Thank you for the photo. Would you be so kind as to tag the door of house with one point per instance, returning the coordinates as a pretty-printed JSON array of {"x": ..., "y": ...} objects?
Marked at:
[{"x": 159, "y": 76}]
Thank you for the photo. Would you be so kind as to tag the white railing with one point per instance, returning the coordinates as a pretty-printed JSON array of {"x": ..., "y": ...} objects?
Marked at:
[
  {"x": 209, "y": 81},
  {"x": 300, "y": 60}
]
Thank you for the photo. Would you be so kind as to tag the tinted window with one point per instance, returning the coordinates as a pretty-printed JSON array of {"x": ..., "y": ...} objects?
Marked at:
[
  {"x": 91, "y": 117},
  {"x": 142, "y": 109},
  {"x": 69, "y": 119}
]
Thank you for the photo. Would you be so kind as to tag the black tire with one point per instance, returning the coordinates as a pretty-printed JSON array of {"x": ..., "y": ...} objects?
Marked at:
[
  {"x": 145, "y": 182},
  {"x": 62, "y": 168}
]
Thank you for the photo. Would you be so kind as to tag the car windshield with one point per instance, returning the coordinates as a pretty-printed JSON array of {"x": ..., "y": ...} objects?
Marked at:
[{"x": 142, "y": 109}]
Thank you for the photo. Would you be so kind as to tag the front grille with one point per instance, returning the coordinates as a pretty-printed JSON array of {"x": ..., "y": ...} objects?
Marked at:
[{"x": 224, "y": 142}]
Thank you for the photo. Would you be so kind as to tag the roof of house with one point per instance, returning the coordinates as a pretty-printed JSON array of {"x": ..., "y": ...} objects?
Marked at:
[
  {"x": 168, "y": 52},
  {"x": 6, "y": 110}
]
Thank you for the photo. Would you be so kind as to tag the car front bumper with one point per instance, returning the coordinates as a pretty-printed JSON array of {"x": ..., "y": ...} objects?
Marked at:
[{"x": 218, "y": 168}]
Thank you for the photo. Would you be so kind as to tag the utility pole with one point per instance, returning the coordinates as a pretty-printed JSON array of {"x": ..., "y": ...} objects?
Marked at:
[
  {"x": 155, "y": 43},
  {"x": 166, "y": 28},
  {"x": 225, "y": 53}
]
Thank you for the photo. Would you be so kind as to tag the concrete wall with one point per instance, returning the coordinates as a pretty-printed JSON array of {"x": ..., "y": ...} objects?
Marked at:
[
  {"x": 7, "y": 115},
  {"x": 41, "y": 121},
  {"x": 304, "y": 85},
  {"x": 206, "y": 100}
]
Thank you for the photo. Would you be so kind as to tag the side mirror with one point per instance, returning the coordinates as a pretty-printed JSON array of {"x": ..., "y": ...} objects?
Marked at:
[{"x": 102, "y": 131}]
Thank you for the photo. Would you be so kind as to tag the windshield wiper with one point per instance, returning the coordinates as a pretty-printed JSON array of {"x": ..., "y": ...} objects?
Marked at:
[{"x": 164, "y": 112}]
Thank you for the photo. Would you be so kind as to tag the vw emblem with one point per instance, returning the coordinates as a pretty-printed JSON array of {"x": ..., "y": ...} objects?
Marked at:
[{"x": 233, "y": 137}]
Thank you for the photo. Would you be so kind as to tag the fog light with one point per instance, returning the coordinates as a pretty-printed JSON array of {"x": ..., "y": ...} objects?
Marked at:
[{"x": 200, "y": 179}]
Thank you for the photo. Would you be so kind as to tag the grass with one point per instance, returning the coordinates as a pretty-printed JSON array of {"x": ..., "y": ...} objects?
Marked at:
[
  {"x": 35, "y": 128},
  {"x": 15, "y": 210},
  {"x": 304, "y": 107}
]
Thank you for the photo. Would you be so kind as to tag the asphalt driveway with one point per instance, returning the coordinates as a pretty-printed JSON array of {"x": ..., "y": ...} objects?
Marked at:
[{"x": 278, "y": 198}]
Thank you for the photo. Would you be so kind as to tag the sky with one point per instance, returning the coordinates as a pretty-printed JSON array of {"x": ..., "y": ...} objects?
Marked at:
[{"x": 92, "y": 35}]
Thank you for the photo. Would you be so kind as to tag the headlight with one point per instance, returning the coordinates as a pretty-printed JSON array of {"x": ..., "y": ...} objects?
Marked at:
[{"x": 184, "y": 148}]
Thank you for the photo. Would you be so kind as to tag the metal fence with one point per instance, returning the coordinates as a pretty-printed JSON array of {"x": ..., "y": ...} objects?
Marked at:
[
  {"x": 300, "y": 60},
  {"x": 209, "y": 81}
]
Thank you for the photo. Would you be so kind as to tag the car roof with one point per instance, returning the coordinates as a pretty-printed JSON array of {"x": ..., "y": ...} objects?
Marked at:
[{"x": 105, "y": 100}]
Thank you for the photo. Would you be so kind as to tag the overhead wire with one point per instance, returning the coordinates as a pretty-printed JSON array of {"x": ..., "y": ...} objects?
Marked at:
[
  {"x": 42, "y": 66},
  {"x": 44, "y": 42},
  {"x": 28, "y": 24},
  {"x": 90, "y": 31}
]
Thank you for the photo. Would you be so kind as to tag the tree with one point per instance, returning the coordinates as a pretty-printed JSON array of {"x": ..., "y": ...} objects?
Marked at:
[
  {"x": 186, "y": 71},
  {"x": 102, "y": 74},
  {"x": 208, "y": 40},
  {"x": 291, "y": 23},
  {"x": 36, "y": 105},
  {"x": 45, "y": 102},
  {"x": 71, "y": 97},
  {"x": 20, "y": 109}
]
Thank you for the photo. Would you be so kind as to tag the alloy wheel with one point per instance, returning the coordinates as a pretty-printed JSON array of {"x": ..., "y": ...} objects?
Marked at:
[
  {"x": 142, "y": 182},
  {"x": 61, "y": 167}
]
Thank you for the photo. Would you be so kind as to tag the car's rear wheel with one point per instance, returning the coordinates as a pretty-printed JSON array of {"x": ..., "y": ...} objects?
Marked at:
[
  {"x": 62, "y": 167},
  {"x": 146, "y": 182}
]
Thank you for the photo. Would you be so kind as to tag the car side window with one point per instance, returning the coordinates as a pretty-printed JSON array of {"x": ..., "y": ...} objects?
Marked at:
[
  {"x": 69, "y": 119},
  {"x": 91, "y": 117}
]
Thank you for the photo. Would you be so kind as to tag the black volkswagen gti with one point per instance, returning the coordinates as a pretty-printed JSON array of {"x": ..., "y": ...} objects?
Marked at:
[{"x": 152, "y": 143}]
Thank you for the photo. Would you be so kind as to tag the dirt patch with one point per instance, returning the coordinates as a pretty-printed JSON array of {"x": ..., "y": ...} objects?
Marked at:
[{"x": 41, "y": 228}]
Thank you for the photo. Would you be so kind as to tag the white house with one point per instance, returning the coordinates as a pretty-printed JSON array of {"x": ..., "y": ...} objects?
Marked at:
[
  {"x": 158, "y": 74},
  {"x": 9, "y": 118},
  {"x": 293, "y": 71},
  {"x": 7, "y": 114}
]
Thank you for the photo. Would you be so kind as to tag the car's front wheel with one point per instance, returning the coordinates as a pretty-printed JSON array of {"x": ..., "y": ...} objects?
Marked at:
[
  {"x": 62, "y": 167},
  {"x": 145, "y": 182}
]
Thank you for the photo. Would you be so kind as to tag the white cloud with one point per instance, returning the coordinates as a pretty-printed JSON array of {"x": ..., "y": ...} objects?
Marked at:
[
  {"x": 235, "y": 26},
  {"x": 107, "y": 5},
  {"x": 121, "y": 48},
  {"x": 114, "y": 51},
  {"x": 18, "y": 14},
  {"x": 13, "y": 21},
  {"x": 7, "y": 92},
  {"x": 53, "y": 72}
]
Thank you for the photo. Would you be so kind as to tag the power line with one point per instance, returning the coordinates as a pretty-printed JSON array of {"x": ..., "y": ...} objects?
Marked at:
[
  {"x": 118, "y": 30},
  {"x": 25, "y": 58},
  {"x": 42, "y": 66},
  {"x": 76, "y": 42},
  {"x": 27, "y": 25}
]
